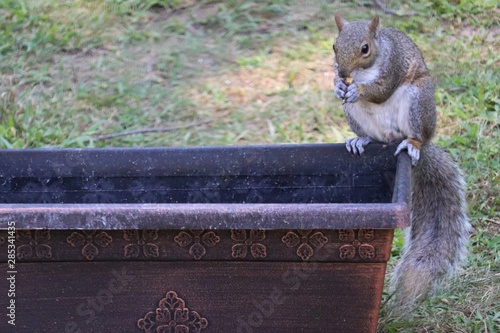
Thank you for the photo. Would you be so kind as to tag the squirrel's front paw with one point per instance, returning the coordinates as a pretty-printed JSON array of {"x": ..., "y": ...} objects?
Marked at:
[
  {"x": 351, "y": 95},
  {"x": 340, "y": 89},
  {"x": 413, "y": 148},
  {"x": 356, "y": 146}
]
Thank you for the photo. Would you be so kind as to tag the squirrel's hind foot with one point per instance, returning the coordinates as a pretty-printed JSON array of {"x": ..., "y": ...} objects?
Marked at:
[{"x": 413, "y": 148}]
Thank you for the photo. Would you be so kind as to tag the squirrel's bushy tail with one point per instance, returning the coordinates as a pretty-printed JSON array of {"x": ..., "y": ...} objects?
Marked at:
[{"x": 436, "y": 242}]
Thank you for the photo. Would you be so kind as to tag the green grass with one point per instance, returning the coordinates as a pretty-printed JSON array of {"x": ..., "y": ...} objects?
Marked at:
[{"x": 259, "y": 72}]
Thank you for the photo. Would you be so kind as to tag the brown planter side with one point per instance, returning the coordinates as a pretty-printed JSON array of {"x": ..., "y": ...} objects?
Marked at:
[{"x": 267, "y": 297}]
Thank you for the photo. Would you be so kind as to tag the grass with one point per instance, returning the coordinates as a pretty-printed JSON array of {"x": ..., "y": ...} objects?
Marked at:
[{"x": 254, "y": 72}]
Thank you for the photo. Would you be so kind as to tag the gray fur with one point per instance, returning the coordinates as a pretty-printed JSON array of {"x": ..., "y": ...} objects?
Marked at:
[
  {"x": 436, "y": 242},
  {"x": 355, "y": 126},
  {"x": 423, "y": 114},
  {"x": 407, "y": 61},
  {"x": 393, "y": 101}
]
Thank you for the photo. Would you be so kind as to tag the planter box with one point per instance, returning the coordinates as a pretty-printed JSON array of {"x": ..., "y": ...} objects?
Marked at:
[{"x": 274, "y": 239}]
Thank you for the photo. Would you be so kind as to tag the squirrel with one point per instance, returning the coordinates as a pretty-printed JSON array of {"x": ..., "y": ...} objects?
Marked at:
[{"x": 388, "y": 97}]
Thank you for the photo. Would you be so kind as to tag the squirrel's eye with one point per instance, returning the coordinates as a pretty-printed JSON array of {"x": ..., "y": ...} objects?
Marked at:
[{"x": 365, "y": 48}]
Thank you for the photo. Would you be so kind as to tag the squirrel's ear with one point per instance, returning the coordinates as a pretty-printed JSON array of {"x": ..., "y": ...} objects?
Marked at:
[
  {"x": 341, "y": 22},
  {"x": 375, "y": 26}
]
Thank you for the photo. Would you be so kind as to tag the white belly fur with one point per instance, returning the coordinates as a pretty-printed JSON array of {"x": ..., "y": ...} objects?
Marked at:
[{"x": 384, "y": 122}]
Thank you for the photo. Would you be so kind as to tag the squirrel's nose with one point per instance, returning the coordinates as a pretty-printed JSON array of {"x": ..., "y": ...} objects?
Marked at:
[{"x": 343, "y": 73}]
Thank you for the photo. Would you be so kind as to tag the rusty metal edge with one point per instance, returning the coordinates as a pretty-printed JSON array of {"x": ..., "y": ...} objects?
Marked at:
[
  {"x": 206, "y": 216},
  {"x": 402, "y": 183}
]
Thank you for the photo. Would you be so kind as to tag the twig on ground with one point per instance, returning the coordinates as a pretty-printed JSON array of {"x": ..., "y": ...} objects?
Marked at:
[
  {"x": 150, "y": 130},
  {"x": 492, "y": 221},
  {"x": 387, "y": 300}
]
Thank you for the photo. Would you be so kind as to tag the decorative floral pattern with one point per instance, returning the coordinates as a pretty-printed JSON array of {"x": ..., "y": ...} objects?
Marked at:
[
  {"x": 90, "y": 241},
  {"x": 32, "y": 242},
  {"x": 148, "y": 190},
  {"x": 198, "y": 239},
  {"x": 172, "y": 316},
  {"x": 71, "y": 183},
  {"x": 257, "y": 249},
  {"x": 144, "y": 243},
  {"x": 364, "y": 250},
  {"x": 43, "y": 190},
  {"x": 99, "y": 190},
  {"x": 241, "y": 244},
  {"x": 304, "y": 238}
]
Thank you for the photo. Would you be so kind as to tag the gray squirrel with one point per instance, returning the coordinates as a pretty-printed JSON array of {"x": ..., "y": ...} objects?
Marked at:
[{"x": 388, "y": 97}]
